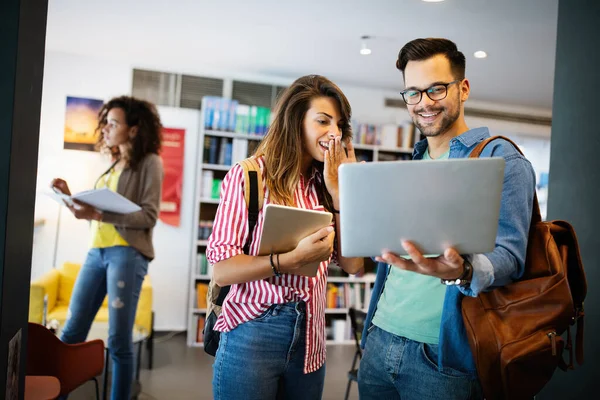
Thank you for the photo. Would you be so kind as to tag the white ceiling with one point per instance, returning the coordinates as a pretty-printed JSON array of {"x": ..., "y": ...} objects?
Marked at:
[{"x": 292, "y": 38}]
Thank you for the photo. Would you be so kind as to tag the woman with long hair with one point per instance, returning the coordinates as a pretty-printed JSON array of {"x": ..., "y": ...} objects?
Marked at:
[
  {"x": 273, "y": 321},
  {"x": 121, "y": 244}
]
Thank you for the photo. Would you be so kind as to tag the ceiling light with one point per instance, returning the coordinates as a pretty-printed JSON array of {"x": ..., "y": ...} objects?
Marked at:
[
  {"x": 364, "y": 49},
  {"x": 480, "y": 54}
]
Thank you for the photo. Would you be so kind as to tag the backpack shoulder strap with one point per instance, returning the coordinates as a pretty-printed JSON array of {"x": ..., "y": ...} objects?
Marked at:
[
  {"x": 536, "y": 216},
  {"x": 253, "y": 194},
  {"x": 479, "y": 148}
]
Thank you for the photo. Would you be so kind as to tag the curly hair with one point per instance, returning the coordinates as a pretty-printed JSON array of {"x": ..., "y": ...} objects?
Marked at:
[
  {"x": 282, "y": 145},
  {"x": 140, "y": 113}
]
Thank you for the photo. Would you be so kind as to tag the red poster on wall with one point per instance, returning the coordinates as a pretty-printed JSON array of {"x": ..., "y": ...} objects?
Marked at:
[{"x": 172, "y": 156}]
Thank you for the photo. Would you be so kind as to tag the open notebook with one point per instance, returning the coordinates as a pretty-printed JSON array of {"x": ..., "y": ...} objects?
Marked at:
[{"x": 103, "y": 199}]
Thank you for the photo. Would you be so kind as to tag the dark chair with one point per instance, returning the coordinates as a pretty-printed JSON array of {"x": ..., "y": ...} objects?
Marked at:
[
  {"x": 72, "y": 364},
  {"x": 357, "y": 319}
]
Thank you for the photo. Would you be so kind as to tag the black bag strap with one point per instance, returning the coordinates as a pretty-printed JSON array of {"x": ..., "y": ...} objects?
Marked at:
[{"x": 253, "y": 210}]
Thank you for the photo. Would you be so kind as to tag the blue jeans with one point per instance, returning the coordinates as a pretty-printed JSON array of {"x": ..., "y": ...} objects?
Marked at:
[
  {"x": 263, "y": 359},
  {"x": 118, "y": 271},
  {"x": 394, "y": 367}
]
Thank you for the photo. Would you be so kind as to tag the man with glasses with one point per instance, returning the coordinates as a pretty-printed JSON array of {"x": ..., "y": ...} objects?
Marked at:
[{"x": 415, "y": 344}]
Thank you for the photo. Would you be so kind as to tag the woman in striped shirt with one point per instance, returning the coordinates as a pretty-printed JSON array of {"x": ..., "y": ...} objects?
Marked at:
[{"x": 273, "y": 321}]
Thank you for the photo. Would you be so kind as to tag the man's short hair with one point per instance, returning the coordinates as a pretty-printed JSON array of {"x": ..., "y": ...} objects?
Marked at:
[{"x": 422, "y": 49}]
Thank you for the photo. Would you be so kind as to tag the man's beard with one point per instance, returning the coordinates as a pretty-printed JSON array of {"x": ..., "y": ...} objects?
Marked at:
[{"x": 433, "y": 130}]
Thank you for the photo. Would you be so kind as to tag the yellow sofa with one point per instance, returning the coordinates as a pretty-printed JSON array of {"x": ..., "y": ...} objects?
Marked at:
[{"x": 58, "y": 285}]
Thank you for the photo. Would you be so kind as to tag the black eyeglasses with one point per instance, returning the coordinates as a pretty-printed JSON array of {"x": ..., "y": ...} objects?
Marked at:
[{"x": 435, "y": 93}]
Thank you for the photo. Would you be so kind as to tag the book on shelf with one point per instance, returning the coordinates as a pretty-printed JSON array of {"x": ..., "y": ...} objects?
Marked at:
[
  {"x": 339, "y": 330},
  {"x": 204, "y": 229},
  {"x": 221, "y": 114},
  {"x": 217, "y": 150},
  {"x": 216, "y": 188},
  {"x": 201, "y": 292},
  {"x": 206, "y": 183},
  {"x": 242, "y": 119},
  {"x": 388, "y": 136},
  {"x": 210, "y": 187},
  {"x": 202, "y": 264},
  {"x": 200, "y": 321},
  {"x": 240, "y": 150},
  {"x": 346, "y": 295}
]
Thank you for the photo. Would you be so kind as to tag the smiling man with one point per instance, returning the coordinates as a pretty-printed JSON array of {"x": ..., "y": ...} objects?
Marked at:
[{"x": 415, "y": 344}]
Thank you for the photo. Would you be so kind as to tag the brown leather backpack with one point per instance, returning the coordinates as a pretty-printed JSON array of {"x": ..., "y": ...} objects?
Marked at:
[{"x": 514, "y": 331}]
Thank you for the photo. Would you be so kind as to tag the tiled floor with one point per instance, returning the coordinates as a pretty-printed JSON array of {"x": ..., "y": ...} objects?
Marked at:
[{"x": 182, "y": 373}]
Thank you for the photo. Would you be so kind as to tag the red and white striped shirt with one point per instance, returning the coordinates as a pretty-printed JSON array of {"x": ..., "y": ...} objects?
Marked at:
[{"x": 247, "y": 301}]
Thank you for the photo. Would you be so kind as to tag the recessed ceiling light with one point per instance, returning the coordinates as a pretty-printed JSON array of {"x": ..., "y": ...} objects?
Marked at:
[
  {"x": 364, "y": 49},
  {"x": 480, "y": 54}
]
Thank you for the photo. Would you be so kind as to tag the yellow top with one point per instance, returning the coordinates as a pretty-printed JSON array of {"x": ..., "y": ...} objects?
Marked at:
[{"x": 103, "y": 234}]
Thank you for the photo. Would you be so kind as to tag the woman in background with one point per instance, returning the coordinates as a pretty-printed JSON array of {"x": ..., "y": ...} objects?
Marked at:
[{"x": 121, "y": 244}]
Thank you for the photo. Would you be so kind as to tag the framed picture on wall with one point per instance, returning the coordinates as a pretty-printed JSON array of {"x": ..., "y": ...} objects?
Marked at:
[{"x": 81, "y": 119}]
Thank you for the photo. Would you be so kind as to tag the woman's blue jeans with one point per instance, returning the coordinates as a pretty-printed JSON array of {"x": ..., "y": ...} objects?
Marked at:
[
  {"x": 263, "y": 359},
  {"x": 119, "y": 272}
]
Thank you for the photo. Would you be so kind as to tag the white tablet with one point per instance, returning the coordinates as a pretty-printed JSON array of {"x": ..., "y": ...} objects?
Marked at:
[
  {"x": 284, "y": 227},
  {"x": 435, "y": 204}
]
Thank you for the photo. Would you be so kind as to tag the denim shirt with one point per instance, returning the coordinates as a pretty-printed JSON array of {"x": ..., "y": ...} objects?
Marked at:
[{"x": 497, "y": 268}]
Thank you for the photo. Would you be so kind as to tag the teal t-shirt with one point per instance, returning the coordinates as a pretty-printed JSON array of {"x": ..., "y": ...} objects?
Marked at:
[{"x": 411, "y": 304}]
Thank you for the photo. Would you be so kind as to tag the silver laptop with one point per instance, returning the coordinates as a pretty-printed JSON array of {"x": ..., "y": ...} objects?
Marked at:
[{"x": 435, "y": 204}]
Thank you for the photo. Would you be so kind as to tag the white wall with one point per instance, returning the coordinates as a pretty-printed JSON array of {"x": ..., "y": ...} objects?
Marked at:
[
  {"x": 70, "y": 75},
  {"x": 170, "y": 270}
]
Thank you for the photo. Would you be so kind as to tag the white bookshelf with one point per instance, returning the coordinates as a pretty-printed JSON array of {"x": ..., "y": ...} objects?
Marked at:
[
  {"x": 204, "y": 210},
  {"x": 209, "y": 201},
  {"x": 377, "y": 148},
  {"x": 207, "y": 204},
  {"x": 216, "y": 167}
]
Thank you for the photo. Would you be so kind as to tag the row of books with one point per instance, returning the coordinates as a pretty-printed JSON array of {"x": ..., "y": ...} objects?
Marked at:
[
  {"x": 220, "y": 113},
  {"x": 228, "y": 115},
  {"x": 204, "y": 229},
  {"x": 388, "y": 135},
  {"x": 227, "y": 151},
  {"x": 203, "y": 267},
  {"x": 210, "y": 186},
  {"x": 345, "y": 295},
  {"x": 252, "y": 120},
  {"x": 218, "y": 150}
]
